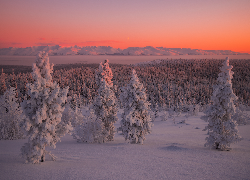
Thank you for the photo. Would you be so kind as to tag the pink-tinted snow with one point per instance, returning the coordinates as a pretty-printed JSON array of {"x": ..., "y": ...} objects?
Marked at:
[{"x": 171, "y": 151}]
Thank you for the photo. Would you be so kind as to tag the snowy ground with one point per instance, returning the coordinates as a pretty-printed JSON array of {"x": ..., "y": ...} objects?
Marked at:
[{"x": 171, "y": 151}]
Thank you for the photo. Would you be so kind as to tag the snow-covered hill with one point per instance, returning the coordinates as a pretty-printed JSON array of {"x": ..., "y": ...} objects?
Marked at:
[
  {"x": 174, "y": 150},
  {"x": 107, "y": 50}
]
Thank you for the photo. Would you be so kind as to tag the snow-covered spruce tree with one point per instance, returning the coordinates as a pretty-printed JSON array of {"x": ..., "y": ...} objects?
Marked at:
[
  {"x": 241, "y": 117},
  {"x": 105, "y": 108},
  {"x": 221, "y": 127},
  {"x": 10, "y": 114},
  {"x": 105, "y": 104},
  {"x": 43, "y": 111},
  {"x": 136, "y": 120},
  {"x": 104, "y": 72},
  {"x": 90, "y": 130}
]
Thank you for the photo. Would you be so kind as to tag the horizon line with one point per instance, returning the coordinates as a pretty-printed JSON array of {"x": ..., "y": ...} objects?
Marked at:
[{"x": 130, "y": 47}]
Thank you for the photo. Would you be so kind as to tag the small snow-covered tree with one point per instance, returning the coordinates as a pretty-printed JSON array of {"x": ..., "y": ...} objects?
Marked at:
[
  {"x": 164, "y": 116},
  {"x": 10, "y": 114},
  {"x": 193, "y": 110},
  {"x": 105, "y": 104},
  {"x": 43, "y": 111},
  {"x": 90, "y": 130},
  {"x": 241, "y": 117},
  {"x": 86, "y": 128},
  {"x": 71, "y": 115},
  {"x": 136, "y": 120},
  {"x": 221, "y": 127}
]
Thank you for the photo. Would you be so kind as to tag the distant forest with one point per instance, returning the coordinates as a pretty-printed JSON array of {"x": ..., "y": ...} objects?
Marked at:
[{"x": 168, "y": 82}]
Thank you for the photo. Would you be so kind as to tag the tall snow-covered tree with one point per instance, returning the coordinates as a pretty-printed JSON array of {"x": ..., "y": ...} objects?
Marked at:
[
  {"x": 136, "y": 120},
  {"x": 105, "y": 104},
  {"x": 221, "y": 127},
  {"x": 43, "y": 111},
  {"x": 105, "y": 108},
  {"x": 10, "y": 114}
]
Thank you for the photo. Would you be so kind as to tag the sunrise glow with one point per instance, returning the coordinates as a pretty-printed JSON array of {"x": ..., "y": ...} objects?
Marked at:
[{"x": 214, "y": 25}]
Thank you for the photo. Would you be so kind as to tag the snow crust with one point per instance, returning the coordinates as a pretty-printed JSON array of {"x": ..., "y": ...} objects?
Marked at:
[{"x": 171, "y": 151}]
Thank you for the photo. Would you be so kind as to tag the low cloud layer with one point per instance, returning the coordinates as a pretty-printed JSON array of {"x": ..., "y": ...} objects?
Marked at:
[{"x": 55, "y": 50}]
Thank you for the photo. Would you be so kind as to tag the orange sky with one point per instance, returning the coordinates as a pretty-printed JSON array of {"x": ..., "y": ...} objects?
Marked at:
[{"x": 196, "y": 24}]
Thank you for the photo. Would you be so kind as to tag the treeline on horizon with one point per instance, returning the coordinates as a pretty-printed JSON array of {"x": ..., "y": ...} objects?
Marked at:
[{"x": 169, "y": 83}]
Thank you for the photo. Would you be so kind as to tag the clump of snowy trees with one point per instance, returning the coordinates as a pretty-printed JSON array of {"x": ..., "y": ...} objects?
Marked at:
[
  {"x": 167, "y": 82},
  {"x": 136, "y": 120},
  {"x": 10, "y": 113},
  {"x": 3, "y": 87},
  {"x": 221, "y": 127},
  {"x": 42, "y": 112}
]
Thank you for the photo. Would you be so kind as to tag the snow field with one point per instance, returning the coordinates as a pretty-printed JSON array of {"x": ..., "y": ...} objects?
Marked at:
[{"x": 171, "y": 151}]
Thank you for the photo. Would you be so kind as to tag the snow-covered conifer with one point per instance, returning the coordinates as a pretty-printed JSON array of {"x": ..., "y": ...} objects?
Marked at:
[
  {"x": 105, "y": 108},
  {"x": 241, "y": 117},
  {"x": 72, "y": 115},
  {"x": 86, "y": 128},
  {"x": 222, "y": 128},
  {"x": 193, "y": 110},
  {"x": 105, "y": 104},
  {"x": 164, "y": 117},
  {"x": 90, "y": 130},
  {"x": 10, "y": 114},
  {"x": 43, "y": 111},
  {"x": 136, "y": 120},
  {"x": 104, "y": 72}
]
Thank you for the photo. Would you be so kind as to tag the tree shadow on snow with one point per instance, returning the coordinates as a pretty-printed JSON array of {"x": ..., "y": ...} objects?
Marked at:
[{"x": 174, "y": 147}]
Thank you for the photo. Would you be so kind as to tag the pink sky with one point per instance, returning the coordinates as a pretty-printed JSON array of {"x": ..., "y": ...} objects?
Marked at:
[{"x": 196, "y": 24}]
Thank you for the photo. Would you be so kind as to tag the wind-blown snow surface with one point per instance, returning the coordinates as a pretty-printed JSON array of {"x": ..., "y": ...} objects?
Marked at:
[{"x": 171, "y": 151}]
